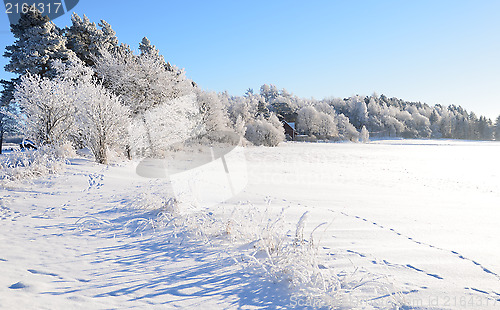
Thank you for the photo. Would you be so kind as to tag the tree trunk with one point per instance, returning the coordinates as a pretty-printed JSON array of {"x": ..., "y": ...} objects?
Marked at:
[
  {"x": 148, "y": 134},
  {"x": 128, "y": 152},
  {"x": 1, "y": 140},
  {"x": 103, "y": 156}
]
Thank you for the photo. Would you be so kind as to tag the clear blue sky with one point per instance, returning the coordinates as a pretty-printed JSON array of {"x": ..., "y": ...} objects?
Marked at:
[{"x": 430, "y": 51}]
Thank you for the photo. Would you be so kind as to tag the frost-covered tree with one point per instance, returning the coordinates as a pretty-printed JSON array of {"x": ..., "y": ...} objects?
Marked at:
[
  {"x": 241, "y": 110},
  {"x": 266, "y": 132},
  {"x": 327, "y": 127},
  {"x": 474, "y": 132},
  {"x": 269, "y": 92},
  {"x": 314, "y": 123},
  {"x": 462, "y": 127},
  {"x": 375, "y": 110},
  {"x": 144, "y": 85},
  {"x": 325, "y": 108},
  {"x": 356, "y": 111},
  {"x": 419, "y": 123},
  {"x": 72, "y": 106},
  {"x": 262, "y": 109},
  {"x": 360, "y": 113},
  {"x": 7, "y": 93},
  {"x": 497, "y": 129},
  {"x": 87, "y": 40},
  {"x": 364, "y": 135},
  {"x": 281, "y": 102},
  {"x": 213, "y": 113},
  {"x": 102, "y": 120},
  {"x": 48, "y": 106},
  {"x": 165, "y": 124},
  {"x": 307, "y": 121},
  {"x": 8, "y": 111},
  {"x": 485, "y": 127},
  {"x": 5, "y": 123},
  {"x": 142, "y": 81},
  {"x": 249, "y": 116},
  {"x": 448, "y": 123},
  {"x": 435, "y": 120},
  {"x": 382, "y": 116},
  {"x": 38, "y": 43},
  {"x": 147, "y": 48},
  {"x": 346, "y": 130}
]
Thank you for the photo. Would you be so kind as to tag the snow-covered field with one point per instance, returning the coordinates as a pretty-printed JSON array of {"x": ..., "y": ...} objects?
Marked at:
[{"x": 410, "y": 223}]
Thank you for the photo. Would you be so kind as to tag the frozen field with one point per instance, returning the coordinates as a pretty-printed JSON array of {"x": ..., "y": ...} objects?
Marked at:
[
  {"x": 413, "y": 223},
  {"x": 424, "y": 213}
]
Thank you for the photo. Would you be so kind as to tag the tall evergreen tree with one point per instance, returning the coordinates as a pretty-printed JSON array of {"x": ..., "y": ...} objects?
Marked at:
[
  {"x": 7, "y": 110},
  {"x": 262, "y": 109},
  {"x": 38, "y": 43},
  {"x": 485, "y": 128},
  {"x": 497, "y": 129},
  {"x": 147, "y": 48},
  {"x": 87, "y": 40}
]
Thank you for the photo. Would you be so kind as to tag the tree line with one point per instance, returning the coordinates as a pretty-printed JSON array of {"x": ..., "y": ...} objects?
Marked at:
[
  {"x": 80, "y": 85},
  {"x": 337, "y": 118}
]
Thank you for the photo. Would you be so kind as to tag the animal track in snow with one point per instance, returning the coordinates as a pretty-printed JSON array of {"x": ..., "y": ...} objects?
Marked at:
[
  {"x": 427, "y": 273},
  {"x": 33, "y": 271},
  {"x": 18, "y": 285},
  {"x": 489, "y": 294},
  {"x": 95, "y": 180},
  {"x": 484, "y": 269}
]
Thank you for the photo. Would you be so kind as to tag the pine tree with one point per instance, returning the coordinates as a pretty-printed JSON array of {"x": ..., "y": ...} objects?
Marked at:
[
  {"x": 497, "y": 129},
  {"x": 7, "y": 110},
  {"x": 109, "y": 41},
  {"x": 434, "y": 118},
  {"x": 485, "y": 128},
  {"x": 262, "y": 110},
  {"x": 474, "y": 133},
  {"x": 269, "y": 92},
  {"x": 87, "y": 40},
  {"x": 147, "y": 48},
  {"x": 38, "y": 43}
]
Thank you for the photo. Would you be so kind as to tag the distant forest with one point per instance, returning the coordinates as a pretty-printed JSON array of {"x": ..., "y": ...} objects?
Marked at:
[{"x": 336, "y": 118}]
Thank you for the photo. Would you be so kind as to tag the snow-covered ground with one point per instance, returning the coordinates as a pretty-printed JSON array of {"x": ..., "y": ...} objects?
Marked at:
[{"x": 413, "y": 223}]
